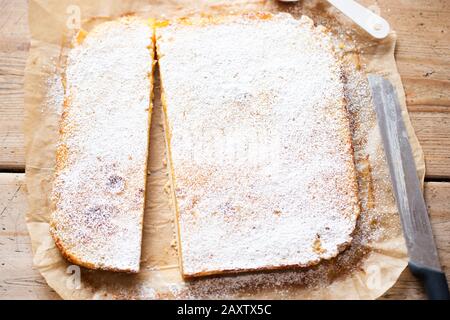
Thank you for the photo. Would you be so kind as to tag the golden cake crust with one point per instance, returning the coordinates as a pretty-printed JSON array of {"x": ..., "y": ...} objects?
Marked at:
[
  {"x": 99, "y": 187},
  {"x": 272, "y": 83}
]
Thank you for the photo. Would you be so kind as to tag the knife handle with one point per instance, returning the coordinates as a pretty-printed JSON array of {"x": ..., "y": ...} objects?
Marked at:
[{"x": 435, "y": 282}]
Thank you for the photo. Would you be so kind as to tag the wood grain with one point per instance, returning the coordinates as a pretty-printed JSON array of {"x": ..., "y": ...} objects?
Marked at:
[
  {"x": 14, "y": 45},
  {"x": 437, "y": 197},
  {"x": 423, "y": 58},
  {"x": 19, "y": 280},
  {"x": 433, "y": 131},
  {"x": 423, "y": 61}
]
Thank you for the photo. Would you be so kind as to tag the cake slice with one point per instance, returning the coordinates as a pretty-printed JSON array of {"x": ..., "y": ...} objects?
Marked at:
[
  {"x": 259, "y": 143},
  {"x": 99, "y": 186}
]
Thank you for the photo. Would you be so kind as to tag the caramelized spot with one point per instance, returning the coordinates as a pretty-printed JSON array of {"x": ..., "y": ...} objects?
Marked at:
[
  {"x": 317, "y": 245},
  {"x": 61, "y": 156},
  {"x": 264, "y": 15},
  {"x": 161, "y": 23},
  {"x": 81, "y": 35},
  {"x": 195, "y": 200},
  {"x": 128, "y": 14},
  {"x": 374, "y": 222},
  {"x": 356, "y": 60},
  {"x": 185, "y": 21},
  {"x": 151, "y": 22},
  {"x": 366, "y": 174}
]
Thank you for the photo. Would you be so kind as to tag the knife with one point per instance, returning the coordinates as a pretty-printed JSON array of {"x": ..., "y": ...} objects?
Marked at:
[
  {"x": 423, "y": 256},
  {"x": 372, "y": 23}
]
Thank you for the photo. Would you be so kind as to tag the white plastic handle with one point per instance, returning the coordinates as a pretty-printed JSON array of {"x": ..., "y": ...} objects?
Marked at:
[{"x": 375, "y": 25}]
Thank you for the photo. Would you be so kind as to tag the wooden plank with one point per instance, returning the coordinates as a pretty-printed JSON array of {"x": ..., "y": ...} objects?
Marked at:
[
  {"x": 19, "y": 280},
  {"x": 422, "y": 93},
  {"x": 437, "y": 196},
  {"x": 14, "y": 45},
  {"x": 433, "y": 131},
  {"x": 423, "y": 41},
  {"x": 423, "y": 58}
]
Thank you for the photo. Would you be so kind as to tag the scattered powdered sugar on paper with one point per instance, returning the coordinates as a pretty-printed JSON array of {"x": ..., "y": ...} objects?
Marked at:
[
  {"x": 260, "y": 143},
  {"x": 102, "y": 153},
  {"x": 55, "y": 95}
]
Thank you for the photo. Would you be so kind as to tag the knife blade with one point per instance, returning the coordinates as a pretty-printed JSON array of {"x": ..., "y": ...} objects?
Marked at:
[{"x": 423, "y": 256}]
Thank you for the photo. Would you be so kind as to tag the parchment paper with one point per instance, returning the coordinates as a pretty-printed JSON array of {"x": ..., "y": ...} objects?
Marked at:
[{"x": 368, "y": 268}]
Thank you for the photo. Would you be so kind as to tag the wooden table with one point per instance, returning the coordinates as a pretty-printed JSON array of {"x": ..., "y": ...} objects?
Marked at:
[{"x": 423, "y": 58}]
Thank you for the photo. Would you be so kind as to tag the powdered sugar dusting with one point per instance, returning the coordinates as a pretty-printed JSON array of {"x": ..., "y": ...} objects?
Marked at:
[
  {"x": 54, "y": 99},
  {"x": 102, "y": 153},
  {"x": 260, "y": 143}
]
